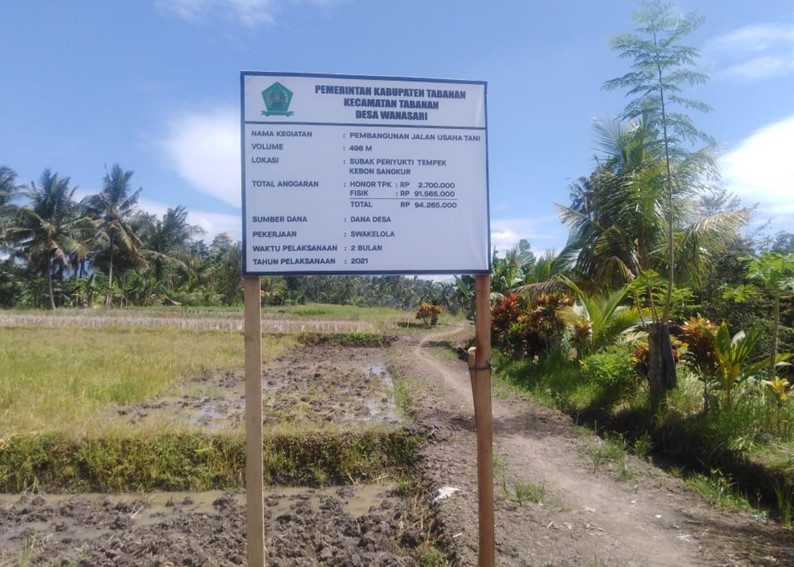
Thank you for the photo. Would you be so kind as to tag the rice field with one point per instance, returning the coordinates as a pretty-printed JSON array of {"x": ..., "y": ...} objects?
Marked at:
[
  {"x": 231, "y": 324},
  {"x": 317, "y": 318}
]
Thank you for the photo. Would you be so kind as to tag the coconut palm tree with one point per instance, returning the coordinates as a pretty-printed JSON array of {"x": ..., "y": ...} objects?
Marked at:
[
  {"x": 112, "y": 209},
  {"x": 50, "y": 229},
  {"x": 615, "y": 217},
  {"x": 168, "y": 240},
  {"x": 618, "y": 215},
  {"x": 620, "y": 219},
  {"x": 224, "y": 273}
]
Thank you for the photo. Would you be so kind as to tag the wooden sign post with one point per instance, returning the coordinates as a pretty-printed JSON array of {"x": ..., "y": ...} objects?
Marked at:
[
  {"x": 479, "y": 359},
  {"x": 254, "y": 484}
]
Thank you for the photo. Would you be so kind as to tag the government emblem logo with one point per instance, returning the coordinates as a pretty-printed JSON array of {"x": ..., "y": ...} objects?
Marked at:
[{"x": 277, "y": 98}]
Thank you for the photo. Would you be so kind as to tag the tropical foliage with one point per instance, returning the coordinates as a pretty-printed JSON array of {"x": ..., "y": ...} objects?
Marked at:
[
  {"x": 668, "y": 322},
  {"x": 598, "y": 321}
]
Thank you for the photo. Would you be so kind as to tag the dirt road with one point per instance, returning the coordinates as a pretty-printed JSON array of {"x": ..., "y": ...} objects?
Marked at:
[{"x": 623, "y": 512}]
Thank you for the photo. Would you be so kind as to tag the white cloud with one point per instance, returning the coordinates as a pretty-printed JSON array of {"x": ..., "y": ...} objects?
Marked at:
[
  {"x": 250, "y": 13},
  {"x": 204, "y": 149},
  {"x": 761, "y": 68},
  {"x": 761, "y": 169},
  {"x": 214, "y": 224},
  {"x": 755, "y": 37},
  {"x": 753, "y": 52},
  {"x": 543, "y": 233}
]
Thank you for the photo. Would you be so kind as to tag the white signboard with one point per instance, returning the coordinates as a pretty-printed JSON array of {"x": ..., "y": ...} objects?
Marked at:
[{"x": 356, "y": 175}]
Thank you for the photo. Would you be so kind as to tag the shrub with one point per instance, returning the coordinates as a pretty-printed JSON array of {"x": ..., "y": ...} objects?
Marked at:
[
  {"x": 528, "y": 330},
  {"x": 612, "y": 372},
  {"x": 428, "y": 313},
  {"x": 503, "y": 316},
  {"x": 698, "y": 349},
  {"x": 733, "y": 355}
]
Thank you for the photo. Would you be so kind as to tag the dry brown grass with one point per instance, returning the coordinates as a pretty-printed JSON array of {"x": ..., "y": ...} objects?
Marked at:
[{"x": 232, "y": 323}]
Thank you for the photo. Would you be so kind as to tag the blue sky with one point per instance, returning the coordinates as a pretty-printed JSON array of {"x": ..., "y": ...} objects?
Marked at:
[{"x": 154, "y": 86}]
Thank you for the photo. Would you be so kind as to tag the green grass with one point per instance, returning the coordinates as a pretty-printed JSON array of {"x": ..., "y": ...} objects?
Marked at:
[
  {"x": 554, "y": 381},
  {"x": 719, "y": 490},
  {"x": 145, "y": 461},
  {"x": 405, "y": 389},
  {"x": 26, "y": 552},
  {"x": 642, "y": 445},
  {"x": 519, "y": 492},
  {"x": 609, "y": 450},
  {"x": 352, "y": 339},
  {"x": 784, "y": 500},
  {"x": 66, "y": 378},
  {"x": 431, "y": 556},
  {"x": 569, "y": 385},
  {"x": 59, "y": 387},
  {"x": 529, "y": 492}
]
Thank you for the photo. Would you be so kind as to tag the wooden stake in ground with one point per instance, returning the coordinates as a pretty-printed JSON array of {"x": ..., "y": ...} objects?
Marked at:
[
  {"x": 479, "y": 358},
  {"x": 254, "y": 489}
]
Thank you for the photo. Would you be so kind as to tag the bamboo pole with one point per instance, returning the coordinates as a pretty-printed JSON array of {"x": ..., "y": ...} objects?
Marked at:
[
  {"x": 254, "y": 489},
  {"x": 479, "y": 359}
]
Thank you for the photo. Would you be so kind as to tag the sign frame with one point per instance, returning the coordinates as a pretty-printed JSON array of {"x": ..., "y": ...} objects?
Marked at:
[{"x": 276, "y": 112}]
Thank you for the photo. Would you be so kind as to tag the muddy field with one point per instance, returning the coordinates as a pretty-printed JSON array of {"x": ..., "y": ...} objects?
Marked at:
[
  {"x": 313, "y": 384},
  {"x": 627, "y": 514},
  {"x": 347, "y": 525},
  {"x": 356, "y": 526}
]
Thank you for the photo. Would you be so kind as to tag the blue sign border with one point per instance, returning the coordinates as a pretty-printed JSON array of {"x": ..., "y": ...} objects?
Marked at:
[{"x": 243, "y": 123}]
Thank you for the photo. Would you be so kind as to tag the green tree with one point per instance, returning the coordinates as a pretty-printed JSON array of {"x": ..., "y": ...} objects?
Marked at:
[
  {"x": 8, "y": 190},
  {"x": 510, "y": 271},
  {"x": 447, "y": 297},
  {"x": 11, "y": 285},
  {"x": 661, "y": 68},
  {"x": 225, "y": 274},
  {"x": 167, "y": 242},
  {"x": 783, "y": 242},
  {"x": 113, "y": 208},
  {"x": 50, "y": 229}
]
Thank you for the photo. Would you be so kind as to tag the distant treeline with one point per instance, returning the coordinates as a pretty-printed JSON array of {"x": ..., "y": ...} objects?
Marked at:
[{"x": 56, "y": 251}]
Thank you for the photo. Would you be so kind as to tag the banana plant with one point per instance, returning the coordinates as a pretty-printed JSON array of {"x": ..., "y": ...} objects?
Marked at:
[
  {"x": 780, "y": 389},
  {"x": 733, "y": 357}
]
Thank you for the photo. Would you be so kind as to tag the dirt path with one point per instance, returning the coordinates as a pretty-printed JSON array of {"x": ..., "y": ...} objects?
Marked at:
[{"x": 626, "y": 514}]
